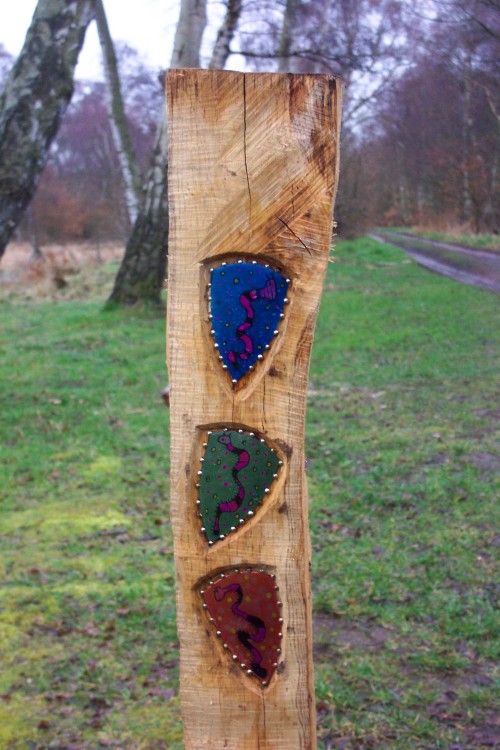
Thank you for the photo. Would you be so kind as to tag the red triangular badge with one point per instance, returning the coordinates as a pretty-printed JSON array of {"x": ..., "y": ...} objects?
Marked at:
[{"x": 245, "y": 611}]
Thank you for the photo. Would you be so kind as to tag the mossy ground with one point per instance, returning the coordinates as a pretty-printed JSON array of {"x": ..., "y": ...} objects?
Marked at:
[{"x": 402, "y": 446}]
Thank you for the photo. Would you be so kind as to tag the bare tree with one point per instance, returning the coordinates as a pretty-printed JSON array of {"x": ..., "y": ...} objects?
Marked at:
[
  {"x": 189, "y": 33},
  {"x": 286, "y": 37},
  {"x": 6, "y": 63},
  {"x": 36, "y": 96},
  {"x": 132, "y": 177},
  {"x": 222, "y": 46},
  {"x": 142, "y": 270},
  {"x": 363, "y": 41}
]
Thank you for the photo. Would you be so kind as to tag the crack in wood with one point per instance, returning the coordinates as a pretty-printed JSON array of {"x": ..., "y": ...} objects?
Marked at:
[
  {"x": 294, "y": 234},
  {"x": 245, "y": 144}
]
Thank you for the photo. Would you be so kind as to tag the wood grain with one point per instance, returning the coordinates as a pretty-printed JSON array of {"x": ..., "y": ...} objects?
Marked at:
[{"x": 253, "y": 162}]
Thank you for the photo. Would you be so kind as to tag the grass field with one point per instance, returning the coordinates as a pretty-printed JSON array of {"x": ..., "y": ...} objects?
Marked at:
[{"x": 403, "y": 462}]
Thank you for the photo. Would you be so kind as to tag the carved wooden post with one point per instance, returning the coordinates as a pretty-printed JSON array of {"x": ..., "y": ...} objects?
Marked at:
[{"x": 253, "y": 161}]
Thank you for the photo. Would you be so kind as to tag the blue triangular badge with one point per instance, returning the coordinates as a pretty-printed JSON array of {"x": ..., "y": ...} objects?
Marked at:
[{"x": 246, "y": 304}]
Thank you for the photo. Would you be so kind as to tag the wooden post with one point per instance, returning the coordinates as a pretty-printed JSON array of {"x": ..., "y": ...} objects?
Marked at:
[{"x": 253, "y": 163}]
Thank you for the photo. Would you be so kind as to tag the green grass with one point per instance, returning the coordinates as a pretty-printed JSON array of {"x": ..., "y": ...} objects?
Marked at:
[{"x": 402, "y": 451}]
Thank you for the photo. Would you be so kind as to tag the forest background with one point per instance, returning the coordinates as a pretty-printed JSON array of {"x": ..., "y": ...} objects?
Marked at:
[{"x": 420, "y": 140}]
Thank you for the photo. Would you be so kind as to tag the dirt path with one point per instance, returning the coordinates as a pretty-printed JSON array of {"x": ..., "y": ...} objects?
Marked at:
[{"x": 479, "y": 268}]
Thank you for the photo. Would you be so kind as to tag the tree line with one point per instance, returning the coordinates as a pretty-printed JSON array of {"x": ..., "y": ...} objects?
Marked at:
[{"x": 88, "y": 160}]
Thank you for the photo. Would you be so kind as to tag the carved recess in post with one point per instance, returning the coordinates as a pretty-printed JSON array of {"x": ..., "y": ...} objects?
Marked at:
[
  {"x": 247, "y": 302},
  {"x": 245, "y": 611},
  {"x": 238, "y": 471}
]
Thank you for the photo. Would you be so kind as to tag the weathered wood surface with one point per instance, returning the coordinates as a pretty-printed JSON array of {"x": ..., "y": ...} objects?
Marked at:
[{"x": 253, "y": 164}]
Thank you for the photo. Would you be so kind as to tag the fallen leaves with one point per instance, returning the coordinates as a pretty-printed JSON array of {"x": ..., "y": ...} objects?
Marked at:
[{"x": 91, "y": 630}]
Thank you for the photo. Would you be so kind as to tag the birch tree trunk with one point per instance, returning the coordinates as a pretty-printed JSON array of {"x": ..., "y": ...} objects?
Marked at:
[
  {"x": 123, "y": 143},
  {"x": 286, "y": 37},
  {"x": 35, "y": 98},
  {"x": 189, "y": 33},
  {"x": 221, "y": 50},
  {"x": 141, "y": 272}
]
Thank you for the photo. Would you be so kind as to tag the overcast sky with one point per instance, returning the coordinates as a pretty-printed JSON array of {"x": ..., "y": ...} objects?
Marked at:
[{"x": 147, "y": 26}]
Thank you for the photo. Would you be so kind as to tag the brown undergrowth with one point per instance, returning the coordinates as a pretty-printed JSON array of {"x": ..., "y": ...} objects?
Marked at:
[{"x": 70, "y": 271}]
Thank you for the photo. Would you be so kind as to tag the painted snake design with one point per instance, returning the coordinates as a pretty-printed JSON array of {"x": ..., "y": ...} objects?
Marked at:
[
  {"x": 244, "y": 636},
  {"x": 243, "y": 460},
  {"x": 266, "y": 292}
]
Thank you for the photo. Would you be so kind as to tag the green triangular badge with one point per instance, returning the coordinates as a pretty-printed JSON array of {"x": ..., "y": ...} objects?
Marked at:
[{"x": 238, "y": 469}]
